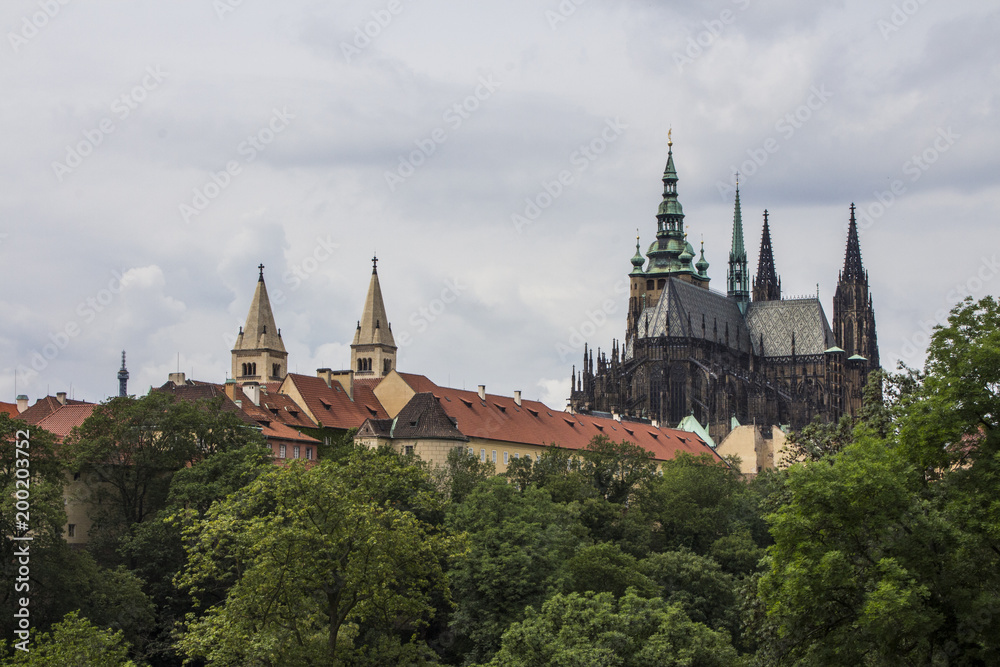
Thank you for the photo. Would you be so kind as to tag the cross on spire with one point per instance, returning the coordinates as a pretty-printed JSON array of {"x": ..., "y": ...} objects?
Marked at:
[
  {"x": 261, "y": 268},
  {"x": 375, "y": 264}
]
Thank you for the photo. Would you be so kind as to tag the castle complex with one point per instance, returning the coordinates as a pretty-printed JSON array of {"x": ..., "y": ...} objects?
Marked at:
[{"x": 739, "y": 357}]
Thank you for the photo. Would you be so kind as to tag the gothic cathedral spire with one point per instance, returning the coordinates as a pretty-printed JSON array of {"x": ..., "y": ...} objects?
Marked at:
[
  {"x": 853, "y": 314},
  {"x": 373, "y": 352},
  {"x": 767, "y": 284},
  {"x": 259, "y": 354},
  {"x": 738, "y": 281}
]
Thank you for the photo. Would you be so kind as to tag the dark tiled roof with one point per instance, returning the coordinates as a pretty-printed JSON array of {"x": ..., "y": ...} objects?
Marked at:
[
  {"x": 423, "y": 417},
  {"x": 534, "y": 423},
  {"x": 775, "y": 322},
  {"x": 696, "y": 312}
]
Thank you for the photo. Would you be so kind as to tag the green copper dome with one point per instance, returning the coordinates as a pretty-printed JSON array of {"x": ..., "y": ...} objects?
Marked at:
[
  {"x": 702, "y": 264},
  {"x": 637, "y": 260}
]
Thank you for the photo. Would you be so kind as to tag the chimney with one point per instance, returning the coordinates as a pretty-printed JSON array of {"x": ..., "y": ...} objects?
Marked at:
[
  {"x": 61, "y": 397},
  {"x": 252, "y": 391},
  {"x": 22, "y": 403},
  {"x": 231, "y": 389},
  {"x": 325, "y": 374},
  {"x": 346, "y": 380},
  {"x": 617, "y": 417},
  {"x": 176, "y": 378},
  {"x": 517, "y": 398},
  {"x": 482, "y": 392},
  {"x": 655, "y": 423}
]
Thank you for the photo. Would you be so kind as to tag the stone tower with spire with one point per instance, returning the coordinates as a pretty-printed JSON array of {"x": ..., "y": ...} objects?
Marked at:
[
  {"x": 767, "y": 284},
  {"x": 854, "y": 318},
  {"x": 373, "y": 352},
  {"x": 738, "y": 279},
  {"x": 259, "y": 354}
]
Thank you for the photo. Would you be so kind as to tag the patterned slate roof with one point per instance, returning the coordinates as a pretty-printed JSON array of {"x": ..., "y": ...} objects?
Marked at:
[
  {"x": 687, "y": 310},
  {"x": 424, "y": 417},
  {"x": 774, "y": 323}
]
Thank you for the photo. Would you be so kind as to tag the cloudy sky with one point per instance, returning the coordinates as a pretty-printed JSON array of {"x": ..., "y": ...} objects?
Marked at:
[{"x": 498, "y": 157}]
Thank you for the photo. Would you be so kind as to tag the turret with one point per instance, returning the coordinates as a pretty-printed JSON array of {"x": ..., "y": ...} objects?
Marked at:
[
  {"x": 767, "y": 284},
  {"x": 737, "y": 278}
]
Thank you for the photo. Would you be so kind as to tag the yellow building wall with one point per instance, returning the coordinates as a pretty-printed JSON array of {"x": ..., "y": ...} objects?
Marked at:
[{"x": 393, "y": 393}]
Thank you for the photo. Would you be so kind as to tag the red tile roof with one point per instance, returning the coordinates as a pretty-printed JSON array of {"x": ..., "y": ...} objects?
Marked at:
[
  {"x": 499, "y": 418},
  {"x": 333, "y": 407},
  {"x": 61, "y": 422},
  {"x": 9, "y": 409},
  {"x": 44, "y": 407}
]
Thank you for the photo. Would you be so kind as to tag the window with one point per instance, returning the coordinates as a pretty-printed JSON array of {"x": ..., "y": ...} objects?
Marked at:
[
  {"x": 275, "y": 370},
  {"x": 408, "y": 450},
  {"x": 386, "y": 366},
  {"x": 494, "y": 456},
  {"x": 517, "y": 455},
  {"x": 649, "y": 285},
  {"x": 482, "y": 456},
  {"x": 281, "y": 451},
  {"x": 71, "y": 530},
  {"x": 506, "y": 458},
  {"x": 295, "y": 451},
  {"x": 472, "y": 452},
  {"x": 538, "y": 457},
  {"x": 309, "y": 453},
  {"x": 660, "y": 283},
  {"x": 76, "y": 476}
]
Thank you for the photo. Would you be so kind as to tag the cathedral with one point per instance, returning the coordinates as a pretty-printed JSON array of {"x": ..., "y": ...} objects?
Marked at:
[{"x": 740, "y": 357}]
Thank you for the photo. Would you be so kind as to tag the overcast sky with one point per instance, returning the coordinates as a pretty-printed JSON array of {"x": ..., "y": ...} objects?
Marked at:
[{"x": 154, "y": 153}]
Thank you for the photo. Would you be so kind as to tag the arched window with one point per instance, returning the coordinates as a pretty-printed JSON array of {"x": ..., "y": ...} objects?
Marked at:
[
  {"x": 253, "y": 368},
  {"x": 386, "y": 366},
  {"x": 649, "y": 285},
  {"x": 244, "y": 369},
  {"x": 275, "y": 370}
]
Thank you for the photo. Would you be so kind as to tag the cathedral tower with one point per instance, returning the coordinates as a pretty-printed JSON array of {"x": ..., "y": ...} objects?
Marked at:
[
  {"x": 853, "y": 314},
  {"x": 767, "y": 284},
  {"x": 373, "y": 352},
  {"x": 738, "y": 280},
  {"x": 259, "y": 355}
]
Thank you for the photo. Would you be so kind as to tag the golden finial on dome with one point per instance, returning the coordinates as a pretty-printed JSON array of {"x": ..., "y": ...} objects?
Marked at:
[{"x": 670, "y": 141}]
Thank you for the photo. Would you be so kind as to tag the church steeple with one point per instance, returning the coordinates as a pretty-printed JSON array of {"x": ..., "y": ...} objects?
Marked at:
[
  {"x": 373, "y": 351},
  {"x": 259, "y": 354},
  {"x": 767, "y": 284},
  {"x": 738, "y": 279},
  {"x": 853, "y": 270}
]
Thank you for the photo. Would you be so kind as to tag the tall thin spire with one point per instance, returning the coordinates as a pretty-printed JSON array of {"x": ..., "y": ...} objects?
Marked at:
[
  {"x": 738, "y": 283},
  {"x": 766, "y": 285},
  {"x": 853, "y": 269},
  {"x": 123, "y": 378}
]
